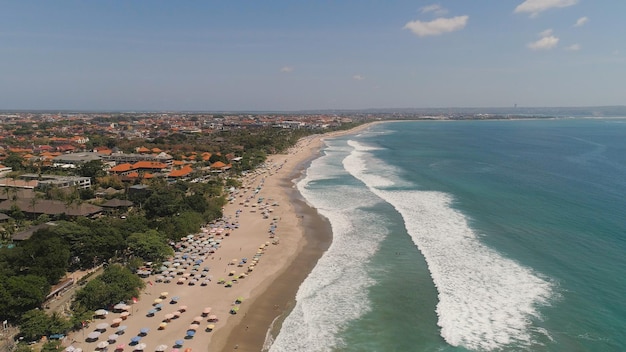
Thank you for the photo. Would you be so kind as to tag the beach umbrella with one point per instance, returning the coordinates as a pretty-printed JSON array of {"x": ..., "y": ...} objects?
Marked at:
[
  {"x": 157, "y": 301},
  {"x": 174, "y": 350},
  {"x": 158, "y": 306},
  {"x": 164, "y": 294},
  {"x": 162, "y": 326},
  {"x": 93, "y": 335},
  {"x": 212, "y": 318},
  {"x": 206, "y": 310},
  {"x": 69, "y": 348},
  {"x": 113, "y": 337},
  {"x": 176, "y": 314},
  {"x": 144, "y": 331},
  {"x": 187, "y": 349},
  {"x": 234, "y": 310},
  {"x": 175, "y": 299},
  {"x": 120, "y": 346},
  {"x": 135, "y": 339},
  {"x": 179, "y": 342},
  {"x": 229, "y": 284},
  {"x": 140, "y": 347},
  {"x": 160, "y": 348},
  {"x": 121, "y": 328},
  {"x": 119, "y": 306},
  {"x": 210, "y": 327},
  {"x": 151, "y": 312},
  {"x": 182, "y": 308},
  {"x": 198, "y": 319},
  {"x": 193, "y": 327},
  {"x": 100, "y": 312},
  {"x": 116, "y": 321},
  {"x": 167, "y": 263},
  {"x": 239, "y": 300},
  {"x": 190, "y": 333},
  {"x": 103, "y": 344},
  {"x": 204, "y": 282},
  {"x": 168, "y": 316},
  {"x": 124, "y": 314}
]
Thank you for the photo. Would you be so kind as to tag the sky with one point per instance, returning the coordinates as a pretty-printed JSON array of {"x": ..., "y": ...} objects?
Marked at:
[{"x": 290, "y": 55}]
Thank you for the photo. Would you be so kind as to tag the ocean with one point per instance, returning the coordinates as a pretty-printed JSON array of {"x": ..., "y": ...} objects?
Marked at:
[{"x": 468, "y": 236}]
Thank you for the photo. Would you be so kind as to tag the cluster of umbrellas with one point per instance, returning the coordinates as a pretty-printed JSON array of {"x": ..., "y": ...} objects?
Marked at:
[
  {"x": 188, "y": 257},
  {"x": 189, "y": 251}
]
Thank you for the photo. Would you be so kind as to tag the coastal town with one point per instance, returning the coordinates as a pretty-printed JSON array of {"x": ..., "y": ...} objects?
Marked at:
[{"x": 140, "y": 189}]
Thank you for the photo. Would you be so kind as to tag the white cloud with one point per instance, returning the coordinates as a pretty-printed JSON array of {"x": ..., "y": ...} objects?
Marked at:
[
  {"x": 534, "y": 7},
  {"x": 286, "y": 69},
  {"x": 544, "y": 43},
  {"x": 358, "y": 77},
  {"x": 573, "y": 47},
  {"x": 546, "y": 33},
  {"x": 437, "y": 26},
  {"x": 434, "y": 8},
  {"x": 581, "y": 21}
]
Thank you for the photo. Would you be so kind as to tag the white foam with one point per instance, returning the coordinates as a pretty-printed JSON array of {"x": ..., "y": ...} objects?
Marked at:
[
  {"x": 486, "y": 301},
  {"x": 335, "y": 292}
]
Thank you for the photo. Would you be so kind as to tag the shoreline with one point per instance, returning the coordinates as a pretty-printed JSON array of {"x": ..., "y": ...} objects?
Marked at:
[
  {"x": 272, "y": 224},
  {"x": 264, "y": 320}
]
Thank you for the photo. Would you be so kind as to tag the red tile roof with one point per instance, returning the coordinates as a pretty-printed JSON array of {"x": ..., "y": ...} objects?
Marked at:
[
  {"x": 121, "y": 168},
  {"x": 155, "y": 165}
]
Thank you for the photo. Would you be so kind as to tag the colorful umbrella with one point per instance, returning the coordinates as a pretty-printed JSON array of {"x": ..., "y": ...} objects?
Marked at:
[{"x": 103, "y": 344}]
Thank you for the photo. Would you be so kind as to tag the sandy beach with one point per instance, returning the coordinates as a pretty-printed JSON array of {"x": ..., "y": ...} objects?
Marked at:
[{"x": 266, "y": 221}]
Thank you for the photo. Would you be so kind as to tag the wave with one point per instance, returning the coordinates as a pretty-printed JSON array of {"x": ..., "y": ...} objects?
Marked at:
[
  {"x": 335, "y": 292},
  {"x": 486, "y": 301}
]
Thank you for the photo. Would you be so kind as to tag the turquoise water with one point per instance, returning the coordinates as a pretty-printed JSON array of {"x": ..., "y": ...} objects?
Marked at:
[{"x": 468, "y": 236}]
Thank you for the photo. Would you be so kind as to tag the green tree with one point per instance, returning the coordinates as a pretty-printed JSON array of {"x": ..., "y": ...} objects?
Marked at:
[
  {"x": 22, "y": 347},
  {"x": 116, "y": 284},
  {"x": 14, "y": 161},
  {"x": 150, "y": 246},
  {"x": 34, "y": 324},
  {"x": 22, "y": 293},
  {"x": 45, "y": 255},
  {"x": 80, "y": 314},
  {"x": 58, "y": 324},
  {"x": 51, "y": 346}
]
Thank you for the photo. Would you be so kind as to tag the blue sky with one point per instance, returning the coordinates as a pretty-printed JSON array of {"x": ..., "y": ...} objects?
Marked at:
[{"x": 324, "y": 54}]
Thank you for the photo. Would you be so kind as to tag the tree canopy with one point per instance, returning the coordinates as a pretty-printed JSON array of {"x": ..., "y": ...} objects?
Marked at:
[{"x": 116, "y": 284}]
